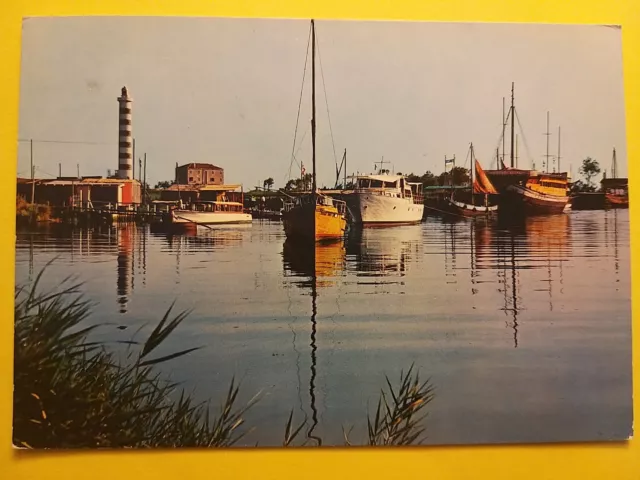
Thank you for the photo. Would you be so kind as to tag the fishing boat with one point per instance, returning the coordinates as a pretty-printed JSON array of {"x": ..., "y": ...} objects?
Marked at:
[
  {"x": 314, "y": 216},
  {"x": 383, "y": 199},
  {"x": 210, "y": 213},
  {"x": 530, "y": 191},
  {"x": 616, "y": 190},
  {"x": 480, "y": 185}
]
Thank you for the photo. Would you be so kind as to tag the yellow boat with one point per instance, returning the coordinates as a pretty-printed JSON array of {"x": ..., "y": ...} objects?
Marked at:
[{"x": 314, "y": 216}]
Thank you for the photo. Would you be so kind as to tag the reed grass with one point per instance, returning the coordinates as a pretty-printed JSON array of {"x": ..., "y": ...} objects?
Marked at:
[
  {"x": 73, "y": 393},
  {"x": 70, "y": 392}
]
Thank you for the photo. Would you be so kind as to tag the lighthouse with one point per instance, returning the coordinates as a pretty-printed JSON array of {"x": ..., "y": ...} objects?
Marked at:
[{"x": 125, "y": 138}]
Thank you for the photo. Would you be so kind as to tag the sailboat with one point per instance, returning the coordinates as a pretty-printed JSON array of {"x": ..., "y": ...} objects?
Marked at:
[
  {"x": 616, "y": 190},
  {"x": 480, "y": 184},
  {"x": 529, "y": 190},
  {"x": 314, "y": 216}
]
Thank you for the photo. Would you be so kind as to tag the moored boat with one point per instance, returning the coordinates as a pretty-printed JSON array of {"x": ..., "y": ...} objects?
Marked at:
[
  {"x": 530, "y": 191},
  {"x": 542, "y": 192},
  {"x": 616, "y": 190},
  {"x": 210, "y": 213},
  {"x": 314, "y": 216},
  {"x": 384, "y": 200},
  {"x": 480, "y": 185}
]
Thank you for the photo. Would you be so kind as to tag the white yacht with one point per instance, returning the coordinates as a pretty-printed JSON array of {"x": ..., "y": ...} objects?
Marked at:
[{"x": 385, "y": 199}]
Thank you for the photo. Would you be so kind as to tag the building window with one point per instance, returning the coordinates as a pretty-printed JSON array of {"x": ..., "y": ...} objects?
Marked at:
[{"x": 191, "y": 179}]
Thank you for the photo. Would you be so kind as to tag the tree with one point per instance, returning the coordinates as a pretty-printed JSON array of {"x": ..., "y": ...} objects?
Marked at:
[
  {"x": 579, "y": 186},
  {"x": 164, "y": 184},
  {"x": 291, "y": 185},
  {"x": 589, "y": 169},
  {"x": 456, "y": 176},
  {"x": 268, "y": 183}
]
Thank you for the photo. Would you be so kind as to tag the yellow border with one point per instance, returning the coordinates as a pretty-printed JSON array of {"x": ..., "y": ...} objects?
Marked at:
[{"x": 602, "y": 461}]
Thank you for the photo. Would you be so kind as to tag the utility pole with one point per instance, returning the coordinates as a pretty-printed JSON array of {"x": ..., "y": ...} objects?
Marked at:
[
  {"x": 33, "y": 181},
  {"x": 78, "y": 170},
  {"x": 59, "y": 170}
]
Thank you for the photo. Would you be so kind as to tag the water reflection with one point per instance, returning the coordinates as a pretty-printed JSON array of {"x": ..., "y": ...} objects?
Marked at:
[
  {"x": 316, "y": 265},
  {"x": 476, "y": 302},
  {"x": 380, "y": 252},
  {"x": 124, "y": 282}
]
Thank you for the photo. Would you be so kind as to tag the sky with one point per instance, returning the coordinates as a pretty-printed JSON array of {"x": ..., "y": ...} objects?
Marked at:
[{"x": 226, "y": 91}]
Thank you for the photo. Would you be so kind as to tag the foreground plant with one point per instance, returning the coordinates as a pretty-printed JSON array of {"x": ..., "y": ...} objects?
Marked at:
[
  {"x": 72, "y": 393},
  {"x": 398, "y": 418}
]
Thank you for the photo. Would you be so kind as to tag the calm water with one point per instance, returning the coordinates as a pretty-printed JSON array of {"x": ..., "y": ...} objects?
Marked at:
[{"x": 523, "y": 329}]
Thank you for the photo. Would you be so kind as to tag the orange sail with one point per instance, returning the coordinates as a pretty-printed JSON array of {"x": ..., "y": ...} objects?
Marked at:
[{"x": 482, "y": 184}]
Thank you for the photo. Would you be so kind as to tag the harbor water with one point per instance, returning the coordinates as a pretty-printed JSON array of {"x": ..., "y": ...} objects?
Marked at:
[{"x": 524, "y": 329}]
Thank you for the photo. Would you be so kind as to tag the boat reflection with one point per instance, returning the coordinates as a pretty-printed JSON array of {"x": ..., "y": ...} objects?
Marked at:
[
  {"x": 207, "y": 239},
  {"x": 384, "y": 251},
  {"x": 503, "y": 251},
  {"x": 320, "y": 263}
]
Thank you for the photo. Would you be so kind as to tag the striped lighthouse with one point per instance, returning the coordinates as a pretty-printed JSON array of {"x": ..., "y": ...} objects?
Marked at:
[{"x": 125, "y": 138}]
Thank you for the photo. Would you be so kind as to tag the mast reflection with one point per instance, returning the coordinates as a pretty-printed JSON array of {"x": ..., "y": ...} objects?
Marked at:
[{"x": 317, "y": 266}]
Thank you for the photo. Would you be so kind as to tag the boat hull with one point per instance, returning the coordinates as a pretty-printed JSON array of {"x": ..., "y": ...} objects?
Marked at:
[
  {"x": 617, "y": 201},
  {"x": 369, "y": 209},
  {"x": 314, "y": 222},
  {"x": 209, "y": 218},
  {"x": 535, "y": 202},
  {"x": 470, "y": 210}
]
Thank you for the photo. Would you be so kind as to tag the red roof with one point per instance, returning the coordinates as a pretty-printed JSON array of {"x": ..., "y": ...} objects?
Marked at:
[{"x": 201, "y": 165}]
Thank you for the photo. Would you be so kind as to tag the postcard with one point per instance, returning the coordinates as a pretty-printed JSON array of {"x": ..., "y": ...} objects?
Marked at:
[{"x": 303, "y": 233}]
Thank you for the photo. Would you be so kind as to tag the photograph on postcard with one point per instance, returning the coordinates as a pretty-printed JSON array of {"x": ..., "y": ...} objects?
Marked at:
[{"x": 272, "y": 232}]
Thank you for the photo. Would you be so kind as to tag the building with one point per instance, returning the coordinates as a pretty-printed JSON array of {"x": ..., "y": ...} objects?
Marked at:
[
  {"x": 202, "y": 193},
  {"x": 82, "y": 192},
  {"x": 199, "y": 174}
]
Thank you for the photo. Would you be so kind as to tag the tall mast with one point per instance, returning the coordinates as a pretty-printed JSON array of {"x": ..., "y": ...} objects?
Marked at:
[
  {"x": 313, "y": 103},
  {"x": 473, "y": 166},
  {"x": 513, "y": 125},
  {"x": 504, "y": 124},
  {"x": 614, "y": 165},
  {"x": 345, "y": 168},
  {"x": 547, "y": 134},
  {"x": 559, "y": 150},
  {"x": 516, "y": 150}
]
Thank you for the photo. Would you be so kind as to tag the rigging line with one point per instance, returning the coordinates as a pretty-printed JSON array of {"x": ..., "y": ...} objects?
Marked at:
[
  {"x": 326, "y": 101},
  {"x": 46, "y": 173},
  {"x": 524, "y": 139},
  {"x": 504, "y": 127},
  {"x": 63, "y": 141},
  {"x": 304, "y": 73}
]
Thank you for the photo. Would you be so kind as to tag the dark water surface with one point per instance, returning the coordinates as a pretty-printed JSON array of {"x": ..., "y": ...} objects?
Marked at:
[{"x": 523, "y": 329}]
